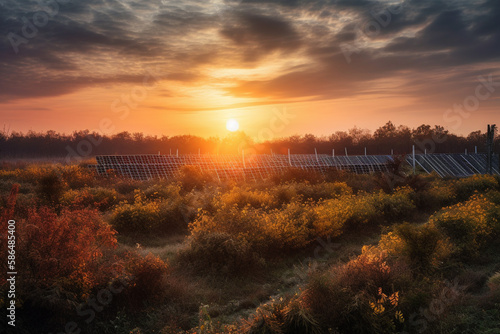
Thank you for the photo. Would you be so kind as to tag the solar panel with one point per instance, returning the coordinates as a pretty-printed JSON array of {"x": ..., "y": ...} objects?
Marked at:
[
  {"x": 258, "y": 167},
  {"x": 453, "y": 165}
]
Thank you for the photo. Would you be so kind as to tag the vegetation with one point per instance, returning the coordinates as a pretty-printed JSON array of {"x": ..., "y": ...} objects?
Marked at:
[
  {"x": 386, "y": 138},
  {"x": 299, "y": 253}
]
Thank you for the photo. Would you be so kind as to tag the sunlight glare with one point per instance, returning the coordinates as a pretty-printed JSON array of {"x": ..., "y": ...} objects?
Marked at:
[{"x": 232, "y": 125}]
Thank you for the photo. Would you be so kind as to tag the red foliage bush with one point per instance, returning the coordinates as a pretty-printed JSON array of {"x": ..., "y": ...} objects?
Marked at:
[{"x": 63, "y": 250}]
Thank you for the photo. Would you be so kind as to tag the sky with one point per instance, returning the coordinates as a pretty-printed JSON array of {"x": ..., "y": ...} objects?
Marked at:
[{"x": 279, "y": 67}]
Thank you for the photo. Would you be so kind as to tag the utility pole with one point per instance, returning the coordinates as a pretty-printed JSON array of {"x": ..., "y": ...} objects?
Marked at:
[
  {"x": 489, "y": 145},
  {"x": 414, "y": 161}
]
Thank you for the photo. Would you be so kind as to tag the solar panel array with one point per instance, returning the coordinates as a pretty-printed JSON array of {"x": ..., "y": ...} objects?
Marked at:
[
  {"x": 257, "y": 167},
  {"x": 454, "y": 165}
]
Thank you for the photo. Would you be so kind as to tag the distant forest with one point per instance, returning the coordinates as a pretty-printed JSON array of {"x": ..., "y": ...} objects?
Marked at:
[{"x": 386, "y": 139}]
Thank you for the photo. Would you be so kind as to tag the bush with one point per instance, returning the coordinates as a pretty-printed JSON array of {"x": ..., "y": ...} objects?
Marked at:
[
  {"x": 494, "y": 285},
  {"x": 100, "y": 198},
  {"x": 395, "y": 207},
  {"x": 469, "y": 225},
  {"x": 268, "y": 319},
  {"x": 192, "y": 177},
  {"x": 438, "y": 195},
  {"x": 136, "y": 218},
  {"x": 321, "y": 191},
  {"x": 361, "y": 182},
  {"x": 285, "y": 194},
  {"x": 50, "y": 188},
  {"x": 160, "y": 191},
  {"x": 466, "y": 187},
  {"x": 126, "y": 187},
  {"x": 148, "y": 217},
  {"x": 220, "y": 254},
  {"x": 297, "y": 175},
  {"x": 299, "y": 319},
  {"x": 423, "y": 247},
  {"x": 77, "y": 177},
  {"x": 146, "y": 279},
  {"x": 266, "y": 231},
  {"x": 351, "y": 298},
  {"x": 370, "y": 209},
  {"x": 242, "y": 197},
  {"x": 332, "y": 215},
  {"x": 62, "y": 251}
]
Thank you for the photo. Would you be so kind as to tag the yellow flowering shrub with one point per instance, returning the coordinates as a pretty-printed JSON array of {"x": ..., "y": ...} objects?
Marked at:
[
  {"x": 242, "y": 197},
  {"x": 469, "y": 225},
  {"x": 466, "y": 187},
  {"x": 423, "y": 247},
  {"x": 144, "y": 216},
  {"x": 101, "y": 198},
  {"x": 287, "y": 228},
  {"x": 351, "y": 298}
]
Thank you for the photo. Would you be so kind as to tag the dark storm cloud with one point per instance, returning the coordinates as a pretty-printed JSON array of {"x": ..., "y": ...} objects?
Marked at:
[{"x": 261, "y": 34}]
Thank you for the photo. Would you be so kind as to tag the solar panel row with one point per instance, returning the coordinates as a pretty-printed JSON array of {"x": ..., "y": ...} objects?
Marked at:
[
  {"x": 257, "y": 167},
  {"x": 454, "y": 165}
]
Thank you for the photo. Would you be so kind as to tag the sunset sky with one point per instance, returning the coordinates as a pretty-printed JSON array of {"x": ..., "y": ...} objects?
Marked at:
[{"x": 186, "y": 67}]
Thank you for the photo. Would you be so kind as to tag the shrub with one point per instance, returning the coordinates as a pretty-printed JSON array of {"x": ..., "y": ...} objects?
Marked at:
[
  {"x": 438, "y": 195},
  {"x": 285, "y": 193},
  {"x": 77, "y": 177},
  {"x": 494, "y": 285},
  {"x": 361, "y": 182},
  {"x": 270, "y": 232},
  {"x": 266, "y": 231},
  {"x": 372, "y": 209},
  {"x": 469, "y": 225},
  {"x": 369, "y": 270},
  {"x": 220, "y": 254},
  {"x": 423, "y": 247},
  {"x": 100, "y": 198},
  {"x": 50, "y": 188},
  {"x": 288, "y": 192},
  {"x": 332, "y": 215},
  {"x": 322, "y": 190},
  {"x": 395, "y": 207},
  {"x": 268, "y": 319},
  {"x": 146, "y": 279},
  {"x": 351, "y": 298},
  {"x": 136, "y": 218},
  {"x": 62, "y": 251},
  {"x": 466, "y": 187},
  {"x": 297, "y": 175},
  {"x": 126, "y": 186},
  {"x": 147, "y": 217},
  {"x": 192, "y": 177},
  {"x": 242, "y": 197},
  {"x": 296, "y": 224},
  {"x": 160, "y": 191},
  {"x": 299, "y": 319}
]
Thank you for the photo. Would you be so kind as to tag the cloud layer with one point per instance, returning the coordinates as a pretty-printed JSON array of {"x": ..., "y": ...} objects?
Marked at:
[{"x": 429, "y": 51}]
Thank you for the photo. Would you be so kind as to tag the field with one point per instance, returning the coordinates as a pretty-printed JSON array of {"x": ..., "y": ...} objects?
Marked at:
[{"x": 298, "y": 253}]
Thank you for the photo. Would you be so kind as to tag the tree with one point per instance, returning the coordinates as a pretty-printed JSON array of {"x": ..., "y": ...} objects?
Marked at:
[{"x": 387, "y": 131}]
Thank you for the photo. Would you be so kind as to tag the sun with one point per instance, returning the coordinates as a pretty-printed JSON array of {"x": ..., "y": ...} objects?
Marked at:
[{"x": 232, "y": 125}]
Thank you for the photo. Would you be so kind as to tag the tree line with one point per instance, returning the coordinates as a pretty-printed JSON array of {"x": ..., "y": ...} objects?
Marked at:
[{"x": 387, "y": 139}]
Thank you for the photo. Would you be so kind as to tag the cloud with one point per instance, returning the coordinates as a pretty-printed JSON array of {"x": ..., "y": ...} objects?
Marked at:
[
  {"x": 416, "y": 53},
  {"x": 261, "y": 34}
]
